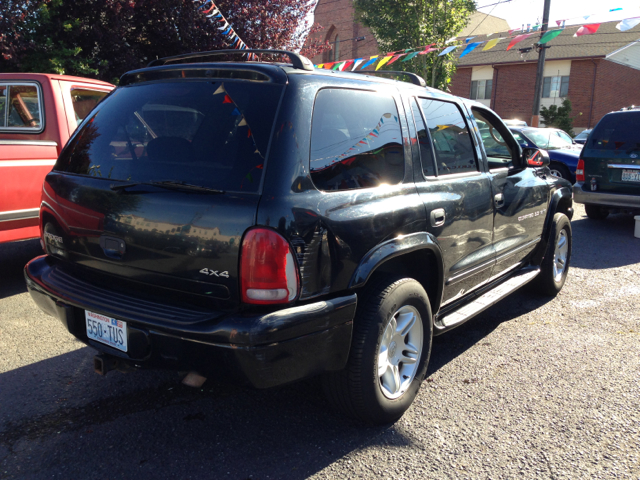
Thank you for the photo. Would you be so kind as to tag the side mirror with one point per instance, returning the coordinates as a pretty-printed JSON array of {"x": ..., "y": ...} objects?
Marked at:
[{"x": 535, "y": 157}]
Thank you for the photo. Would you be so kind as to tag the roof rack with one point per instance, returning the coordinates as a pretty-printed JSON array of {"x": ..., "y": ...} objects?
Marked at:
[
  {"x": 300, "y": 62},
  {"x": 415, "y": 79}
]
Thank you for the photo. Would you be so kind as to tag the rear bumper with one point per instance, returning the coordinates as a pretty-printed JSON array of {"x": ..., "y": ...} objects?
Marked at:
[
  {"x": 260, "y": 349},
  {"x": 603, "y": 199}
]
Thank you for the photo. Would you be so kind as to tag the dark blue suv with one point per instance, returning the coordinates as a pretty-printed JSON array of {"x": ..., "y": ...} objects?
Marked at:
[{"x": 264, "y": 222}]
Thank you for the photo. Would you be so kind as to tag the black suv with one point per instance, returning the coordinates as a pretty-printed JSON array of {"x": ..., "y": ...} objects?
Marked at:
[
  {"x": 266, "y": 222},
  {"x": 608, "y": 173}
]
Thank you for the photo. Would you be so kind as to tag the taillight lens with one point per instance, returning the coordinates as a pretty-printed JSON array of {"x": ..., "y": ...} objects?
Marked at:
[
  {"x": 268, "y": 272},
  {"x": 580, "y": 171}
]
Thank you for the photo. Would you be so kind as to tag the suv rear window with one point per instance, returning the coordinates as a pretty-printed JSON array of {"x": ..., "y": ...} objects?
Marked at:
[
  {"x": 213, "y": 134},
  {"x": 356, "y": 141},
  {"x": 617, "y": 131}
]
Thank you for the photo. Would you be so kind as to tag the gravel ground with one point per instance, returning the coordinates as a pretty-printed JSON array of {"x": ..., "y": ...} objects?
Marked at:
[{"x": 531, "y": 388}]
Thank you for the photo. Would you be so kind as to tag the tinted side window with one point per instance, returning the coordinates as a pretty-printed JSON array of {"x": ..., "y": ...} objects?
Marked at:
[
  {"x": 451, "y": 140},
  {"x": 426, "y": 153},
  {"x": 497, "y": 150},
  {"x": 356, "y": 141},
  {"x": 617, "y": 131},
  {"x": 20, "y": 107}
]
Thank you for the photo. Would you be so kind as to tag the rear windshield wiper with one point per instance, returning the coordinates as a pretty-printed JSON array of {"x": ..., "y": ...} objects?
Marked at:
[{"x": 168, "y": 184}]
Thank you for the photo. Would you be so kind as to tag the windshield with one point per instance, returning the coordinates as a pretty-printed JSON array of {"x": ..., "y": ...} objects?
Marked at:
[
  {"x": 547, "y": 139},
  {"x": 210, "y": 134}
]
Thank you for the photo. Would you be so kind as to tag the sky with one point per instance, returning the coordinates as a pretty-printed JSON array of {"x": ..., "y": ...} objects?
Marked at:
[{"x": 518, "y": 12}]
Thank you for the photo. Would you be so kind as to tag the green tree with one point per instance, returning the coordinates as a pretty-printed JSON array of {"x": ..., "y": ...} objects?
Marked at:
[
  {"x": 402, "y": 24},
  {"x": 558, "y": 116},
  {"x": 106, "y": 38}
]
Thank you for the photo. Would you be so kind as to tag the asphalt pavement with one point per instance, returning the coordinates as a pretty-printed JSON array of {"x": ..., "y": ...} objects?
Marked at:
[{"x": 531, "y": 388}]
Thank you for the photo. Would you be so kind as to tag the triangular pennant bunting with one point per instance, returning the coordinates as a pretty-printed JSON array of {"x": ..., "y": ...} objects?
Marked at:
[
  {"x": 550, "y": 35},
  {"x": 470, "y": 48}
]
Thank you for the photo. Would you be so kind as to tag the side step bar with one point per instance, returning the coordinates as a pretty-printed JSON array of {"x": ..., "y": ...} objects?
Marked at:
[{"x": 486, "y": 300}]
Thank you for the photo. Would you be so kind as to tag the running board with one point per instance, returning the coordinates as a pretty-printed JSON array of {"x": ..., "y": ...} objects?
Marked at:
[{"x": 487, "y": 299}]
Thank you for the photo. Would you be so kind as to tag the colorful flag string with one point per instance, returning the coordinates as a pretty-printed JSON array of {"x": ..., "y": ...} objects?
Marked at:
[
  {"x": 410, "y": 53},
  {"x": 223, "y": 25}
]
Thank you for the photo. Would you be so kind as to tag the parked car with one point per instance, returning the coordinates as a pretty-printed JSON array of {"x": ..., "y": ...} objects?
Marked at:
[
  {"x": 267, "y": 222},
  {"x": 581, "y": 138},
  {"x": 563, "y": 152},
  {"x": 38, "y": 114},
  {"x": 514, "y": 122},
  {"x": 609, "y": 168}
]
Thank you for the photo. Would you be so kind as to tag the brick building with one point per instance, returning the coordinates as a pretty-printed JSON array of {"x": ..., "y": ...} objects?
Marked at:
[
  {"x": 351, "y": 40},
  {"x": 599, "y": 73},
  {"x": 348, "y": 38}
]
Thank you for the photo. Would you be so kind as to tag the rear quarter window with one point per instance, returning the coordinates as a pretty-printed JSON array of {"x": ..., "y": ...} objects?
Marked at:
[{"x": 356, "y": 140}]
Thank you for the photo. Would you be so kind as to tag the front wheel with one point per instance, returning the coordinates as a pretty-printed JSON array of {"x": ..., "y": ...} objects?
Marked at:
[
  {"x": 555, "y": 265},
  {"x": 389, "y": 354}
]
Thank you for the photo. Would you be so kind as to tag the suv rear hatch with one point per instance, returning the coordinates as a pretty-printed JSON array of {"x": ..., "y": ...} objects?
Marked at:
[
  {"x": 612, "y": 154},
  {"x": 160, "y": 183}
]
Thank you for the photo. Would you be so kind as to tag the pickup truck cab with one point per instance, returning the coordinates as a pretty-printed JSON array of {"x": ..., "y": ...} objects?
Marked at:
[{"x": 38, "y": 114}]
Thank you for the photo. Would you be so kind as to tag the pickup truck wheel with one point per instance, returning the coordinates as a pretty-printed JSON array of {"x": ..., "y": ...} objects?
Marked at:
[
  {"x": 555, "y": 265},
  {"x": 594, "y": 212},
  {"x": 389, "y": 354}
]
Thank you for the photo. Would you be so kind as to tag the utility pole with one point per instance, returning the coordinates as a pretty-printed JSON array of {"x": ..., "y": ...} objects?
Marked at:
[{"x": 535, "y": 119}]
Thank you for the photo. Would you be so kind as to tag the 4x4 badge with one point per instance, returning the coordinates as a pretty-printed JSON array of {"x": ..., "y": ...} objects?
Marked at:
[{"x": 209, "y": 272}]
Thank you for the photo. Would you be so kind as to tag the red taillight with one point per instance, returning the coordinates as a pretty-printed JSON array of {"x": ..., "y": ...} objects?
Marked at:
[
  {"x": 268, "y": 272},
  {"x": 580, "y": 171}
]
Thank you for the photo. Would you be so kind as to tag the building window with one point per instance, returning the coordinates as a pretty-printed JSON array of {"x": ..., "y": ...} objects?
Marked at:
[
  {"x": 553, "y": 87},
  {"x": 336, "y": 49},
  {"x": 481, "y": 89}
]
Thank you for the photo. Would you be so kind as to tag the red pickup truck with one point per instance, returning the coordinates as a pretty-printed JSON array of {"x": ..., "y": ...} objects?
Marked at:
[{"x": 38, "y": 114}]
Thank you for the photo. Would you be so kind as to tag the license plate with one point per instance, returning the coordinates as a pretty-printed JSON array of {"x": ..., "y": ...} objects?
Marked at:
[
  {"x": 631, "y": 175},
  {"x": 107, "y": 330}
]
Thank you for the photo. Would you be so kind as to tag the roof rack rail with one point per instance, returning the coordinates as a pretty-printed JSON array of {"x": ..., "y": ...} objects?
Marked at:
[
  {"x": 300, "y": 62},
  {"x": 415, "y": 79}
]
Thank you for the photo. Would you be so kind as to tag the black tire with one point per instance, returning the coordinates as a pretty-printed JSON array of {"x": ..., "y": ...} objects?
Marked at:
[
  {"x": 358, "y": 390},
  {"x": 561, "y": 171},
  {"x": 550, "y": 281},
  {"x": 594, "y": 212}
]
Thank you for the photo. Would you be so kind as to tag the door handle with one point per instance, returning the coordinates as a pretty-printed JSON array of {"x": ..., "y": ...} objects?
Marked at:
[
  {"x": 437, "y": 217},
  {"x": 499, "y": 200}
]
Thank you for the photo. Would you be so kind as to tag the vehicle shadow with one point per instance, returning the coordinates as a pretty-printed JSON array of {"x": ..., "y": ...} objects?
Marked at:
[
  {"x": 13, "y": 257},
  {"x": 148, "y": 424},
  {"x": 169, "y": 430},
  {"x": 608, "y": 243},
  {"x": 448, "y": 346}
]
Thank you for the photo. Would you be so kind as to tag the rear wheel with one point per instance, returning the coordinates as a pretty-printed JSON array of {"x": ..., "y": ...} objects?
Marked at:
[
  {"x": 389, "y": 354},
  {"x": 594, "y": 212},
  {"x": 560, "y": 171},
  {"x": 555, "y": 266}
]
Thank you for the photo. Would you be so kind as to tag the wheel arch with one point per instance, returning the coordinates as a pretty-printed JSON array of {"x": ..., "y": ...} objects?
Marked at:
[
  {"x": 561, "y": 202},
  {"x": 417, "y": 256}
]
